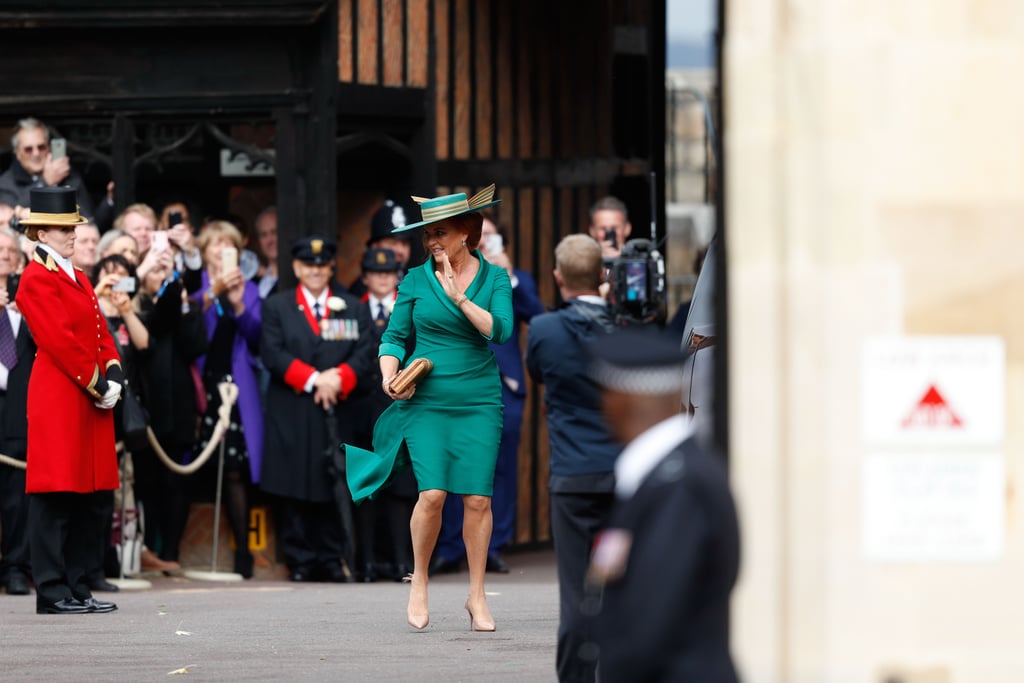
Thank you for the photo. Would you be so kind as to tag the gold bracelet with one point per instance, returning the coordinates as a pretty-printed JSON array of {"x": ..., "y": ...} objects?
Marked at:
[{"x": 461, "y": 301}]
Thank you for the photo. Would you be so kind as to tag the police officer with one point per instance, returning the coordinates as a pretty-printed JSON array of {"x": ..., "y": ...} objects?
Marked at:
[{"x": 668, "y": 561}]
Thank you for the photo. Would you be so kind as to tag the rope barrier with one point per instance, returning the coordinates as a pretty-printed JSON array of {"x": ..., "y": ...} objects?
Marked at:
[{"x": 228, "y": 395}]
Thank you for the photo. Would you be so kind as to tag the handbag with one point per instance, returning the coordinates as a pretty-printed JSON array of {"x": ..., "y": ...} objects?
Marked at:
[
  {"x": 134, "y": 420},
  {"x": 414, "y": 373}
]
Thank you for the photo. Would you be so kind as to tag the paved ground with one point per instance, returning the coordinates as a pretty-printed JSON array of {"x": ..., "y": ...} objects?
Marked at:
[{"x": 280, "y": 631}]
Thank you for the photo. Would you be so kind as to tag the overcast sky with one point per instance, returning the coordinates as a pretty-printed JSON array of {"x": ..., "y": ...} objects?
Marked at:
[{"x": 690, "y": 20}]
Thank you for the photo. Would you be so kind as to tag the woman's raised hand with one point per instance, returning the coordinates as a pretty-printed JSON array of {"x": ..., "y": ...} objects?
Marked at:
[{"x": 446, "y": 278}]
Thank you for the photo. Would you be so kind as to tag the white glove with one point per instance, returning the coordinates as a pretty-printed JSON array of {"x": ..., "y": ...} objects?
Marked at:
[{"x": 110, "y": 398}]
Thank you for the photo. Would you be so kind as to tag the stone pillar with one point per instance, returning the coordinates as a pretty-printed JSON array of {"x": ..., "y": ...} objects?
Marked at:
[{"x": 874, "y": 160}]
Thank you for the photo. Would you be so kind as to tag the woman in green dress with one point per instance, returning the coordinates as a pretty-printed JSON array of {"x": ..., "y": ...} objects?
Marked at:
[{"x": 449, "y": 426}]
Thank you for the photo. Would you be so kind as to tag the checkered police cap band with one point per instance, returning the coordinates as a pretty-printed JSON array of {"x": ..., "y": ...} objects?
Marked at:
[{"x": 653, "y": 380}]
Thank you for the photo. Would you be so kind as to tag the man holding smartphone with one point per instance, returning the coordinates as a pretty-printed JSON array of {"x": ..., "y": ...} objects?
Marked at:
[{"x": 35, "y": 165}]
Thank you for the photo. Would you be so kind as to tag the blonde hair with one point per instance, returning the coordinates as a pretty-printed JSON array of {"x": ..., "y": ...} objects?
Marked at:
[
  {"x": 141, "y": 209},
  {"x": 215, "y": 230},
  {"x": 578, "y": 259}
]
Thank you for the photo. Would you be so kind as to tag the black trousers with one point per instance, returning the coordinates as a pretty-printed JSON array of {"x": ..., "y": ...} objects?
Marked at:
[
  {"x": 576, "y": 519},
  {"x": 65, "y": 532},
  {"x": 310, "y": 534},
  {"x": 14, "y": 557}
]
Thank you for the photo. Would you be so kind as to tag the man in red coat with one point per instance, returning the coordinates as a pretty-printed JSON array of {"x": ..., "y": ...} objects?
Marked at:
[{"x": 75, "y": 382}]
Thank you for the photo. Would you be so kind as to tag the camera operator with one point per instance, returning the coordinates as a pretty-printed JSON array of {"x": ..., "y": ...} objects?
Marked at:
[
  {"x": 583, "y": 451},
  {"x": 610, "y": 226}
]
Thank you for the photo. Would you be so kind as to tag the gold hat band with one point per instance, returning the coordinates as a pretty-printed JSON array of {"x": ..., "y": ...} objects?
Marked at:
[{"x": 40, "y": 216}]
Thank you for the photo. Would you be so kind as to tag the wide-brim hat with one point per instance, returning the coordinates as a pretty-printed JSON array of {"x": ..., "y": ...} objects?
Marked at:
[
  {"x": 451, "y": 205},
  {"x": 52, "y": 207}
]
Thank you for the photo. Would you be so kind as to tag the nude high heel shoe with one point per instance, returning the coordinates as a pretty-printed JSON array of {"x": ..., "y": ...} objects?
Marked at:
[
  {"x": 481, "y": 625},
  {"x": 417, "y": 621}
]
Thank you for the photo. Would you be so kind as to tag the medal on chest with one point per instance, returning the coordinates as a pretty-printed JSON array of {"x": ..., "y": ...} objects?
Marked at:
[{"x": 339, "y": 329}]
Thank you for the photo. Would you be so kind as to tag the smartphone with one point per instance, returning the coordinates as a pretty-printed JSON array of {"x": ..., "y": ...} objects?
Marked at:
[
  {"x": 492, "y": 243},
  {"x": 228, "y": 259},
  {"x": 174, "y": 218},
  {"x": 160, "y": 240},
  {"x": 58, "y": 148},
  {"x": 125, "y": 284},
  {"x": 609, "y": 236}
]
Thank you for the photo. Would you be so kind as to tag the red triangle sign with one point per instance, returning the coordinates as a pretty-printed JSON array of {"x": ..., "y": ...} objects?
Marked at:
[{"x": 932, "y": 411}]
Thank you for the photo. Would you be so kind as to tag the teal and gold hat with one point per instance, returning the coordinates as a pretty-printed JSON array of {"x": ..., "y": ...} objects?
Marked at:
[{"x": 450, "y": 205}]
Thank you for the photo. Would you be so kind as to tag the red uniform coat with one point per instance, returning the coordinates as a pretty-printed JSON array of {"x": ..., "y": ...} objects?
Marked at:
[{"x": 70, "y": 440}]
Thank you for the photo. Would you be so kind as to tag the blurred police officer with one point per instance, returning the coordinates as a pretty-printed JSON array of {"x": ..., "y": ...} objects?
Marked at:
[
  {"x": 668, "y": 560},
  {"x": 383, "y": 523},
  {"x": 390, "y": 216}
]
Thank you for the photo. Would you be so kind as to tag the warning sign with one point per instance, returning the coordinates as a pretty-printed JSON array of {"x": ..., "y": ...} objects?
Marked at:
[
  {"x": 932, "y": 411},
  {"x": 933, "y": 391}
]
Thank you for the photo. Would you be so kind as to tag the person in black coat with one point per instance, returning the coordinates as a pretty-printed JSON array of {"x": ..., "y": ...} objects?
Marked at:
[
  {"x": 14, "y": 556},
  {"x": 663, "y": 571},
  {"x": 177, "y": 337},
  {"x": 318, "y": 345}
]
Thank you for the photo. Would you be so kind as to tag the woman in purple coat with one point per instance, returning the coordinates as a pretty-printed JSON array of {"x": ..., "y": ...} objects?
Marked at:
[{"x": 231, "y": 306}]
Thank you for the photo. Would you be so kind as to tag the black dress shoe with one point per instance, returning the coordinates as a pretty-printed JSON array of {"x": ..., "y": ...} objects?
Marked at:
[
  {"x": 101, "y": 585},
  {"x": 62, "y": 606},
  {"x": 98, "y": 606},
  {"x": 17, "y": 585},
  {"x": 497, "y": 565},
  {"x": 300, "y": 575},
  {"x": 335, "y": 574},
  {"x": 369, "y": 574},
  {"x": 243, "y": 563},
  {"x": 442, "y": 566},
  {"x": 402, "y": 571}
]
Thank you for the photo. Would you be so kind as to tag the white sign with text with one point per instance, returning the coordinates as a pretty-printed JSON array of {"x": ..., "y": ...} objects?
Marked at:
[{"x": 934, "y": 391}]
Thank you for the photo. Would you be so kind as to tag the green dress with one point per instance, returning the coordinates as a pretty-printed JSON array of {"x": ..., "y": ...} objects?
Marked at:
[{"x": 451, "y": 427}]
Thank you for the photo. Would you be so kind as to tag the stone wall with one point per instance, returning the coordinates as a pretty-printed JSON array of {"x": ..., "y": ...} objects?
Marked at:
[{"x": 874, "y": 172}]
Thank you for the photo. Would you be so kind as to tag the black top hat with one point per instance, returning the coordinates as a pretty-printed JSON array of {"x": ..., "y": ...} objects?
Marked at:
[
  {"x": 390, "y": 216},
  {"x": 638, "y": 360},
  {"x": 315, "y": 250},
  {"x": 378, "y": 260},
  {"x": 53, "y": 206}
]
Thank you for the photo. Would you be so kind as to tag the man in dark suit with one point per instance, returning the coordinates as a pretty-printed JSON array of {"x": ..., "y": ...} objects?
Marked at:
[
  {"x": 317, "y": 343},
  {"x": 14, "y": 373},
  {"x": 667, "y": 563},
  {"x": 583, "y": 452},
  {"x": 525, "y": 305}
]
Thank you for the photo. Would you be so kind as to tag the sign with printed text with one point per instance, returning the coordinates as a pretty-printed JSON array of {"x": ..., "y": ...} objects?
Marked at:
[
  {"x": 934, "y": 391},
  {"x": 934, "y": 507}
]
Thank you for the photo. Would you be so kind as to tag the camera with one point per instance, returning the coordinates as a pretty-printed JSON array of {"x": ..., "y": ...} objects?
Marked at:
[
  {"x": 637, "y": 279},
  {"x": 610, "y": 236},
  {"x": 174, "y": 218}
]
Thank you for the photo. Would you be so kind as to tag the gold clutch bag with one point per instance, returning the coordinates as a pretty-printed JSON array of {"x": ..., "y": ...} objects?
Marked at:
[{"x": 413, "y": 374}]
